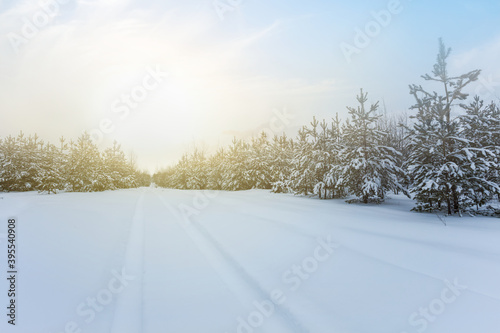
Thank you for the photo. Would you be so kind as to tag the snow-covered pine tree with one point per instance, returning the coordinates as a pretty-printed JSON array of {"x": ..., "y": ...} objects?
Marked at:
[
  {"x": 118, "y": 172},
  {"x": 481, "y": 123},
  {"x": 258, "y": 164},
  {"x": 324, "y": 153},
  {"x": 197, "y": 170},
  {"x": 302, "y": 173},
  {"x": 316, "y": 163},
  {"x": 62, "y": 162},
  {"x": 180, "y": 176},
  {"x": 236, "y": 167},
  {"x": 9, "y": 170},
  {"x": 312, "y": 160},
  {"x": 20, "y": 164},
  {"x": 280, "y": 155},
  {"x": 481, "y": 129},
  {"x": 396, "y": 129},
  {"x": 216, "y": 170},
  {"x": 29, "y": 162},
  {"x": 369, "y": 169},
  {"x": 86, "y": 170},
  {"x": 332, "y": 178},
  {"x": 439, "y": 157},
  {"x": 49, "y": 178}
]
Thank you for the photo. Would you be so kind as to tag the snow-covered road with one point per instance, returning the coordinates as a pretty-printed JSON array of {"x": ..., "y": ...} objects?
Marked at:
[{"x": 155, "y": 260}]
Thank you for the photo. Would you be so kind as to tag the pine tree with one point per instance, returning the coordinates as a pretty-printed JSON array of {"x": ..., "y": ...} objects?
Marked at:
[
  {"x": 437, "y": 163},
  {"x": 216, "y": 170},
  {"x": 197, "y": 171},
  {"x": 118, "y": 172},
  {"x": 396, "y": 129},
  {"x": 324, "y": 156},
  {"x": 303, "y": 173},
  {"x": 50, "y": 179},
  {"x": 9, "y": 169},
  {"x": 369, "y": 169},
  {"x": 236, "y": 174},
  {"x": 258, "y": 163},
  {"x": 481, "y": 129},
  {"x": 21, "y": 163},
  {"x": 335, "y": 146},
  {"x": 62, "y": 162},
  {"x": 280, "y": 153},
  {"x": 86, "y": 170}
]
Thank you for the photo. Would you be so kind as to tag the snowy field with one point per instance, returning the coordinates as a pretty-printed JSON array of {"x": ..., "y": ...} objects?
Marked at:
[{"x": 155, "y": 260}]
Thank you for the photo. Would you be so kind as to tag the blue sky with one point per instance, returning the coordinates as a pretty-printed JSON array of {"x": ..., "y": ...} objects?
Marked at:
[{"x": 227, "y": 73}]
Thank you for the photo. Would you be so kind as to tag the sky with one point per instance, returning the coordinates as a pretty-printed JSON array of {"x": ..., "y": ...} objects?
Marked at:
[{"x": 161, "y": 77}]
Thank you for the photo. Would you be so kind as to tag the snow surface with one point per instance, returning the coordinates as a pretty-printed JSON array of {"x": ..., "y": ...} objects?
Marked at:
[{"x": 251, "y": 261}]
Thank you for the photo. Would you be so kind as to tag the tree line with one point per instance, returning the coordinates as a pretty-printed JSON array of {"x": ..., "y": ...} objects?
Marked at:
[
  {"x": 30, "y": 164},
  {"x": 444, "y": 162}
]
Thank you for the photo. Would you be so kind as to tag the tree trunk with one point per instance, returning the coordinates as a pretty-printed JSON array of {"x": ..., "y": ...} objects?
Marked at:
[{"x": 456, "y": 205}]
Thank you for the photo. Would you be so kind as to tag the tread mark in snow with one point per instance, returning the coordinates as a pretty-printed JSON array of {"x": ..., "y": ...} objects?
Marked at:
[
  {"x": 199, "y": 234},
  {"x": 300, "y": 230},
  {"x": 128, "y": 314}
]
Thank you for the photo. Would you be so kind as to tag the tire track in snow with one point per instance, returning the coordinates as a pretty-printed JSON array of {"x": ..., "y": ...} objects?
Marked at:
[
  {"x": 305, "y": 233},
  {"x": 469, "y": 251},
  {"x": 232, "y": 272},
  {"x": 128, "y": 316}
]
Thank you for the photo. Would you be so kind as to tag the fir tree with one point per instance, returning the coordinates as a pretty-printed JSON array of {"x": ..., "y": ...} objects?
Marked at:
[
  {"x": 303, "y": 173},
  {"x": 258, "y": 164},
  {"x": 280, "y": 163},
  {"x": 216, "y": 170},
  {"x": 50, "y": 179},
  {"x": 335, "y": 146},
  {"x": 439, "y": 156},
  {"x": 86, "y": 171},
  {"x": 236, "y": 167},
  {"x": 481, "y": 129},
  {"x": 369, "y": 169}
]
